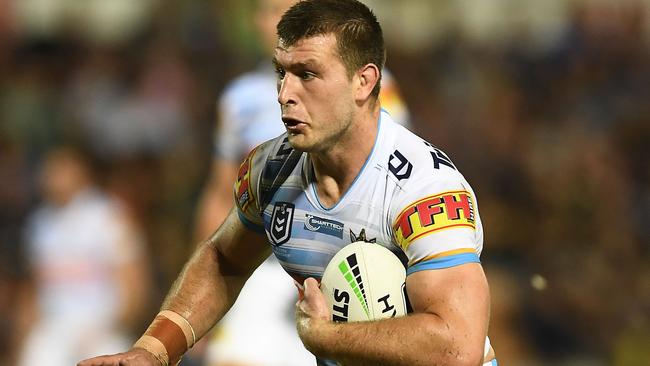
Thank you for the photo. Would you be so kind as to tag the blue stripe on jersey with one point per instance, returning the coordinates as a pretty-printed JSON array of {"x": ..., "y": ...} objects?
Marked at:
[
  {"x": 303, "y": 257},
  {"x": 446, "y": 262},
  {"x": 249, "y": 224}
]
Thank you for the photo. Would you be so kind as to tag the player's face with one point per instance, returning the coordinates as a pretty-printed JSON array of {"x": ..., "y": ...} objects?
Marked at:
[{"x": 315, "y": 93}]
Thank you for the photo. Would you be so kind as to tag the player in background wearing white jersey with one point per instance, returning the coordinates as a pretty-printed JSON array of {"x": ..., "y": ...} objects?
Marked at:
[
  {"x": 89, "y": 266},
  {"x": 248, "y": 114},
  {"x": 329, "y": 60}
]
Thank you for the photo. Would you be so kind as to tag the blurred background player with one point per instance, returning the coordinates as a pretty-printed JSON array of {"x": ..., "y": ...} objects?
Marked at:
[
  {"x": 551, "y": 97},
  {"x": 86, "y": 257},
  {"x": 259, "y": 330}
]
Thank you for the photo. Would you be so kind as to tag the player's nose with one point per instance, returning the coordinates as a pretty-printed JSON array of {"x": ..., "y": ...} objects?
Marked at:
[{"x": 287, "y": 90}]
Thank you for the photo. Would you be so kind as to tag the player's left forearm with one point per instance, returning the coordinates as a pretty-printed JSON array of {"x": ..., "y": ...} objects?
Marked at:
[
  {"x": 448, "y": 325},
  {"x": 417, "y": 339}
]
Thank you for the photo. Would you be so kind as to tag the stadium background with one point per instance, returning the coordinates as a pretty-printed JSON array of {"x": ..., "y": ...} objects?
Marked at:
[{"x": 542, "y": 104}]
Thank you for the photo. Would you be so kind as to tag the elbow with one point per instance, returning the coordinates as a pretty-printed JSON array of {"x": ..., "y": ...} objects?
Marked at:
[
  {"x": 459, "y": 354},
  {"x": 466, "y": 357},
  {"x": 471, "y": 361},
  {"x": 457, "y": 344},
  {"x": 453, "y": 356}
]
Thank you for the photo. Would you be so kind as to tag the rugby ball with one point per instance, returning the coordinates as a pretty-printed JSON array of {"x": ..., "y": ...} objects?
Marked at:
[{"x": 364, "y": 281}]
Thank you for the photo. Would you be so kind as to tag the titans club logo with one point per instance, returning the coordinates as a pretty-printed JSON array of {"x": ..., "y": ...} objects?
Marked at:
[
  {"x": 361, "y": 237},
  {"x": 281, "y": 222}
]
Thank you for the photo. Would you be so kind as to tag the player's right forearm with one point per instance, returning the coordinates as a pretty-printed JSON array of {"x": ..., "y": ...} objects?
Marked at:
[
  {"x": 203, "y": 292},
  {"x": 206, "y": 288}
]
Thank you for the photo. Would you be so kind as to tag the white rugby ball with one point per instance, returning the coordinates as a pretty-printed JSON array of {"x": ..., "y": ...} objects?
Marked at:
[{"x": 364, "y": 281}]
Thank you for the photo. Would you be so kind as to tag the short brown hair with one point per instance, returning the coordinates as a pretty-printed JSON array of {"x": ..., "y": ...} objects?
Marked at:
[{"x": 358, "y": 34}]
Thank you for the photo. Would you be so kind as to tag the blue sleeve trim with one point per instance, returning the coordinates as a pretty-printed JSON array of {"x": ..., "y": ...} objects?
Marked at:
[
  {"x": 445, "y": 262},
  {"x": 249, "y": 224}
]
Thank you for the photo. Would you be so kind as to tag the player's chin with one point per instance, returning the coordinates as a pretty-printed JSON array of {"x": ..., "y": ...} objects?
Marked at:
[{"x": 299, "y": 142}]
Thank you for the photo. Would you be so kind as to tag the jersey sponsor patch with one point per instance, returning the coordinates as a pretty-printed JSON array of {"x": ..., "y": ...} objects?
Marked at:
[
  {"x": 324, "y": 226},
  {"x": 243, "y": 186},
  {"x": 430, "y": 214}
]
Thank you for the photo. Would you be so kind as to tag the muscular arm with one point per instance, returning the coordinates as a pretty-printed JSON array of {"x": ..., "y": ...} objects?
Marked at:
[
  {"x": 448, "y": 326},
  {"x": 207, "y": 286},
  {"x": 211, "y": 280}
]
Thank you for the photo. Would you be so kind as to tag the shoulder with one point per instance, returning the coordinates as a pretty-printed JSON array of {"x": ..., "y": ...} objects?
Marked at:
[
  {"x": 412, "y": 160},
  {"x": 277, "y": 148},
  {"x": 432, "y": 211},
  {"x": 421, "y": 173},
  {"x": 262, "y": 172},
  {"x": 265, "y": 159}
]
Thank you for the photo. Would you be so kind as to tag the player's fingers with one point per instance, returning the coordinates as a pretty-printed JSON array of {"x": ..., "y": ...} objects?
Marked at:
[
  {"x": 95, "y": 361},
  {"x": 110, "y": 361},
  {"x": 120, "y": 359},
  {"x": 311, "y": 285},
  {"x": 304, "y": 304},
  {"x": 301, "y": 290},
  {"x": 315, "y": 304}
]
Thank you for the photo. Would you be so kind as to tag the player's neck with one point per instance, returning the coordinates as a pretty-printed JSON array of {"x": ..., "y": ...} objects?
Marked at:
[{"x": 336, "y": 169}]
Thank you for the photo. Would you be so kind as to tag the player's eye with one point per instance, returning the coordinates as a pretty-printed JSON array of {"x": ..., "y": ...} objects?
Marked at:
[
  {"x": 280, "y": 72},
  {"x": 307, "y": 75}
]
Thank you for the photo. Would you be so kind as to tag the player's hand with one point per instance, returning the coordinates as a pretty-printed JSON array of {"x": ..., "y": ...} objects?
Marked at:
[
  {"x": 311, "y": 301},
  {"x": 134, "y": 357},
  {"x": 311, "y": 310}
]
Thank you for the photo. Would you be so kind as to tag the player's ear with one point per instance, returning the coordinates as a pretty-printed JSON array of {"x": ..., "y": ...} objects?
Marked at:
[{"x": 368, "y": 77}]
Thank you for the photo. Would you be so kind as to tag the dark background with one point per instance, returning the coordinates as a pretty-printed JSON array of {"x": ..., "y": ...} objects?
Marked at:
[{"x": 543, "y": 105}]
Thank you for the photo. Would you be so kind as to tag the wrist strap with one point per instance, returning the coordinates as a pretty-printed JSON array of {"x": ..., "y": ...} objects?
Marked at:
[{"x": 168, "y": 337}]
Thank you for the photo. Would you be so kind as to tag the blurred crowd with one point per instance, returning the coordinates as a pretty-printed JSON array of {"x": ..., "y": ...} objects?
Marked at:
[{"x": 543, "y": 105}]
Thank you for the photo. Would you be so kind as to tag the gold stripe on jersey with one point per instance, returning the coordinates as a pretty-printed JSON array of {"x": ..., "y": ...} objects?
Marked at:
[{"x": 446, "y": 210}]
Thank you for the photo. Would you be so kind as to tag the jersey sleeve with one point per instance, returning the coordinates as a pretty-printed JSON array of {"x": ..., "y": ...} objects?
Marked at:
[
  {"x": 437, "y": 226},
  {"x": 246, "y": 188}
]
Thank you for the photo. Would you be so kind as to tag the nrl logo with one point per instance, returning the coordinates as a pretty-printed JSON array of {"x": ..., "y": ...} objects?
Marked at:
[{"x": 281, "y": 222}]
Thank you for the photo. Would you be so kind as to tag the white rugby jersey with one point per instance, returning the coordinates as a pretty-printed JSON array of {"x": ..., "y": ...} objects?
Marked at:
[
  {"x": 249, "y": 114},
  {"x": 408, "y": 197}
]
